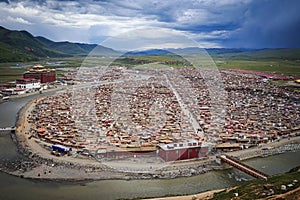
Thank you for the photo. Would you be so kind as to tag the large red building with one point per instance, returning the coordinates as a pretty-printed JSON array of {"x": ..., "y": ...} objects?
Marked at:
[
  {"x": 41, "y": 73},
  {"x": 182, "y": 151}
]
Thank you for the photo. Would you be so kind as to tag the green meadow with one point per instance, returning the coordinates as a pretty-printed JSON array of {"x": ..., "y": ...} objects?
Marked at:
[{"x": 289, "y": 64}]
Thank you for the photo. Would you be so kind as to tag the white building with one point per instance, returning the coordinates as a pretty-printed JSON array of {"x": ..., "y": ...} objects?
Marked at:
[
  {"x": 14, "y": 91},
  {"x": 28, "y": 83}
]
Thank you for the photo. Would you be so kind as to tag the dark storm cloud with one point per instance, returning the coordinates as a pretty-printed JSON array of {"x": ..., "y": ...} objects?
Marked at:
[
  {"x": 269, "y": 23},
  {"x": 226, "y": 23}
]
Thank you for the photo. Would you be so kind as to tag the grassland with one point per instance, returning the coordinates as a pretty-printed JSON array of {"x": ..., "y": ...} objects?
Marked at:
[
  {"x": 10, "y": 71},
  {"x": 285, "y": 67},
  {"x": 171, "y": 60},
  {"x": 13, "y": 70},
  {"x": 273, "y": 64},
  {"x": 276, "y": 66}
]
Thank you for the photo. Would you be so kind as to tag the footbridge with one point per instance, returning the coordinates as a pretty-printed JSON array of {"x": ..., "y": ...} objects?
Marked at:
[
  {"x": 243, "y": 167},
  {"x": 8, "y": 129}
]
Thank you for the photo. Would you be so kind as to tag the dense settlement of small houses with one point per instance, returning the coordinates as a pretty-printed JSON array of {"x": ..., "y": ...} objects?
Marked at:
[{"x": 256, "y": 112}]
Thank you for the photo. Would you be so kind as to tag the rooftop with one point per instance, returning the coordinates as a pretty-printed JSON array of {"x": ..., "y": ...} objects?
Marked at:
[
  {"x": 181, "y": 145},
  {"x": 27, "y": 79}
]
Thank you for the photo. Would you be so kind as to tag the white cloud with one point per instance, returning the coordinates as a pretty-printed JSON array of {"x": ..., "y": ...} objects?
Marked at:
[
  {"x": 96, "y": 19},
  {"x": 71, "y": 19},
  {"x": 199, "y": 16},
  {"x": 19, "y": 9},
  {"x": 220, "y": 34},
  {"x": 19, "y": 20},
  {"x": 154, "y": 38}
]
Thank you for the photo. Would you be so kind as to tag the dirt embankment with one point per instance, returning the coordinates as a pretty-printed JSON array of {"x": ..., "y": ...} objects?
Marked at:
[
  {"x": 291, "y": 195},
  {"x": 200, "y": 196}
]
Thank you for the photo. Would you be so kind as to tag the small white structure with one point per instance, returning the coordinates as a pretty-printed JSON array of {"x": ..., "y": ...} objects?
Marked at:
[
  {"x": 28, "y": 83},
  {"x": 14, "y": 91},
  {"x": 18, "y": 91}
]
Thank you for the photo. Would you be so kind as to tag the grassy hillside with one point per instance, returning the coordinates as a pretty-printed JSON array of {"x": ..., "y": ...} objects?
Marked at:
[
  {"x": 68, "y": 47},
  {"x": 10, "y": 54},
  {"x": 259, "y": 189},
  {"x": 76, "y": 49},
  {"x": 21, "y": 46}
]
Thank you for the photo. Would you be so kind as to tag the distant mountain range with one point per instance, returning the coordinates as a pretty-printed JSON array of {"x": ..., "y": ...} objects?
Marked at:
[
  {"x": 188, "y": 50},
  {"x": 229, "y": 53},
  {"x": 18, "y": 46}
]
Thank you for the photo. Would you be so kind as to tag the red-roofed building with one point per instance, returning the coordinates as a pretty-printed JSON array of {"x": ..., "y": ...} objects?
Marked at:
[
  {"x": 182, "y": 151},
  {"x": 41, "y": 73}
]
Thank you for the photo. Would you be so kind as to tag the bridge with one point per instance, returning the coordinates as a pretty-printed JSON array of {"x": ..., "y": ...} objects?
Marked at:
[
  {"x": 8, "y": 129},
  {"x": 243, "y": 167}
]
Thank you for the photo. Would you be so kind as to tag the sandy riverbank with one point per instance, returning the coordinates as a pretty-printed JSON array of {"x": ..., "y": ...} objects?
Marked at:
[
  {"x": 202, "y": 196},
  {"x": 43, "y": 165}
]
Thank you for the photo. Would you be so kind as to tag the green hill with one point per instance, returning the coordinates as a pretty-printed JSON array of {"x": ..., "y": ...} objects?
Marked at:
[
  {"x": 20, "y": 46},
  {"x": 68, "y": 47},
  {"x": 76, "y": 49}
]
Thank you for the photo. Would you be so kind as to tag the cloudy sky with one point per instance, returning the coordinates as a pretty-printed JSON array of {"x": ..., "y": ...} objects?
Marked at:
[{"x": 212, "y": 23}]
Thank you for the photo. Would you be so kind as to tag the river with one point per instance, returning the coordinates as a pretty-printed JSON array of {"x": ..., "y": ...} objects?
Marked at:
[{"x": 12, "y": 187}]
